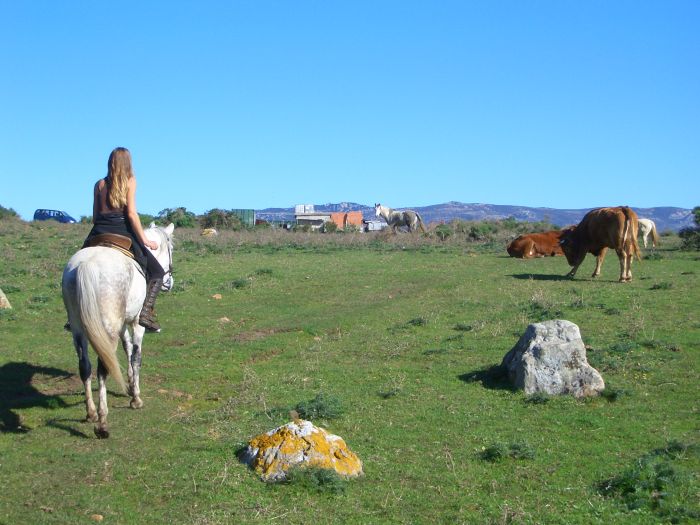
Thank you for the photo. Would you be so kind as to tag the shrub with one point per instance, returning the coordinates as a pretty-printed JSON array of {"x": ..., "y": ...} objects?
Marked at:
[
  {"x": 494, "y": 452},
  {"x": 145, "y": 218},
  {"x": 690, "y": 237},
  {"x": 180, "y": 217},
  {"x": 538, "y": 398},
  {"x": 443, "y": 231},
  {"x": 330, "y": 227},
  {"x": 498, "y": 451},
  {"x": 656, "y": 483},
  {"x": 239, "y": 283},
  {"x": 322, "y": 406},
  {"x": 314, "y": 478},
  {"x": 613, "y": 394},
  {"x": 221, "y": 219},
  {"x": 7, "y": 213}
]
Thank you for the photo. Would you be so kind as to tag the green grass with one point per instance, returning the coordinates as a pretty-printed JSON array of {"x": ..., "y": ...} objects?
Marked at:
[{"x": 404, "y": 334}]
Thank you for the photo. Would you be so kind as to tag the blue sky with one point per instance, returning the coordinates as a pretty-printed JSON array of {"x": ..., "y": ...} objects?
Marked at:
[{"x": 256, "y": 104}]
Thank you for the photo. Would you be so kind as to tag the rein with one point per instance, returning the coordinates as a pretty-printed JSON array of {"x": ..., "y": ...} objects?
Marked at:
[{"x": 170, "y": 269}]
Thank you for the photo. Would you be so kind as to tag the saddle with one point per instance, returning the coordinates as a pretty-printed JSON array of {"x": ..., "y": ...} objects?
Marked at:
[{"x": 121, "y": 243}]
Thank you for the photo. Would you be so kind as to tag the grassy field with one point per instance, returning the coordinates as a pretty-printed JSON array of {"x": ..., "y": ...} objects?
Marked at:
[{"x": 402, "y": 334}]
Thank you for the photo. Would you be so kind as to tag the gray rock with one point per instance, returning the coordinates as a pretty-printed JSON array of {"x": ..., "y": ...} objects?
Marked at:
[
  {"x": 550, "y": 358},
  {"x": 4, "y": 303}
]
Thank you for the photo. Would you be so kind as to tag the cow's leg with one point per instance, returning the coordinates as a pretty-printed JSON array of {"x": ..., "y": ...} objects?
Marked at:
[
  {"x": 529, "y": 251},
  {"x": 101, "y": 430},
  {"x": 81, "y": 347},
  {"x": 628, "y": 264},
  {"x": 599, "y": 262},
  {"x": 573, "y": 271},
  {"x": 623, "y": 264},
  {"x": 135, "y": 364}
]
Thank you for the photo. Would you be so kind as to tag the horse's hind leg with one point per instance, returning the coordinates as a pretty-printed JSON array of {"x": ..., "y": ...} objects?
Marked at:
[
  {"x": 135, "y": 367},
  {"x": 81, "y": 347},
  {"x": 101, "y": 430},
  {"x": 128, "y": 347}
]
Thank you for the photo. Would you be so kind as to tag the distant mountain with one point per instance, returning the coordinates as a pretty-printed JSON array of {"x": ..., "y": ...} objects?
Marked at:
[{"x": 666, "y": 217}]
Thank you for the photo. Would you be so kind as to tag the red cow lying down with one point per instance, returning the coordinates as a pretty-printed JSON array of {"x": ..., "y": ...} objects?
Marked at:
[
  {"x": 599, "y": 230},
  {"x": 532, "y": 245}
]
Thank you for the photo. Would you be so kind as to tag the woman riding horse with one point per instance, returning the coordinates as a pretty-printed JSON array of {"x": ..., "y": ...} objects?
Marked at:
[{"x": 114, "y": 211}]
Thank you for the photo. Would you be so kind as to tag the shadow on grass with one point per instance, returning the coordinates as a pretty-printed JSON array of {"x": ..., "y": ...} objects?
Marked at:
[
  {"x": 18, "y": 391},
  {"x": 494, "y": 378},
  {"x": 541, "y": 277},
  {"x": 61, "y": 424}
]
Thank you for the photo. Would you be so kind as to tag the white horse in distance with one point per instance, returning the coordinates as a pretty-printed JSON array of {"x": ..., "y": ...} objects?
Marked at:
[
  {"x": 103, "y": 292},
  {"x": 409, "y": 218},
  {"x": 647, "y": 226}
]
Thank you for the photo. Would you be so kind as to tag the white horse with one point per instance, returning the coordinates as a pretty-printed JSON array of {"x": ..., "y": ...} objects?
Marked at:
[
  {"x": 103, "y": 291},
  {"x": 396, "y": 219},
  {"x": 647, "y": 226}
]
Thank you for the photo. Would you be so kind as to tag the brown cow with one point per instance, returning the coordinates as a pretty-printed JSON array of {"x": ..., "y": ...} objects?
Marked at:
[
  {"x": 599, "y": 230},
  {"x": 531, "y": 245}
]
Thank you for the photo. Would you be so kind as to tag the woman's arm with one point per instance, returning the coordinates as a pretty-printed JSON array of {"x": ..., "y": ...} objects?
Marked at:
[
  {"x": 133, "y": 215},
  {"x": 95, "y": 198}
]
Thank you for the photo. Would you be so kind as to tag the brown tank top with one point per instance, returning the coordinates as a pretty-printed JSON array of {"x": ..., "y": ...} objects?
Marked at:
[{"x": 103, "y": 207}]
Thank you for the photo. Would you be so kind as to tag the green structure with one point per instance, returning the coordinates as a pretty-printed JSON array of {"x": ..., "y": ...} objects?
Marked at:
[{"x": 247, "y": 217}]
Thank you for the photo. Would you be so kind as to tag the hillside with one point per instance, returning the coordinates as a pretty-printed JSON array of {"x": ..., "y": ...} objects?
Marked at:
[{"x": 665, "y": 217}]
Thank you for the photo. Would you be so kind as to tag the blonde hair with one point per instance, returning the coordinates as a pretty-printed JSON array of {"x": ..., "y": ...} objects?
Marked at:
[{"x": 118, "y": 174}]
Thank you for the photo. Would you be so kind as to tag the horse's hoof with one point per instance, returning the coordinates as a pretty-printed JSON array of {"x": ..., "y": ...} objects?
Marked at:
[
  {"x": 136, "y": 403},
  {"x": 101, "y": 432}
]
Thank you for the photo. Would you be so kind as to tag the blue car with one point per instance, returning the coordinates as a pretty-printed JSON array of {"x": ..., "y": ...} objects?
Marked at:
[{"x": 60, "y": 216}]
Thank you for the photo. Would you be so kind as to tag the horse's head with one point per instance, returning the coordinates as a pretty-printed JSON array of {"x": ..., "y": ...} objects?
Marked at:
[
  {"x": 164, "y": 253},
  {"x": 377, "y": 210}
]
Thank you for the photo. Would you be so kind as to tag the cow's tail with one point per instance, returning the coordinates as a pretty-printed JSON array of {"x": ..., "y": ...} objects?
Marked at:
[
  {"x": 421, "y": 224},
  {"x": 105, "y": 345},
  {"x": 628, "y": 235},
  {"x": 654, "y": 235}
]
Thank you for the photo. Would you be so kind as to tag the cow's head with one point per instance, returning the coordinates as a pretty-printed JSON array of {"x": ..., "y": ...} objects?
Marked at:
[{"x": 573, "y": 248}]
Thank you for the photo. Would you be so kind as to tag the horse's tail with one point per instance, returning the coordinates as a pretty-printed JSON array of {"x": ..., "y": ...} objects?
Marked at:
[
  {"x": 654, "y": 235},
  {"x": 629, "y": 232},
  {"x": 421, "y": 224},
  {"x": 104, "y": 343}
]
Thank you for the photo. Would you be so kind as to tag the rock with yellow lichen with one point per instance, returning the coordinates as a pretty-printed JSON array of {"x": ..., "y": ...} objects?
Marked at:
[{"x": 299, "y": 444}]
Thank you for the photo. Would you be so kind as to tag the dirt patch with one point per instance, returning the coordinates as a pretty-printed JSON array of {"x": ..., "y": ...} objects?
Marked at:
[
  {"x": 260, "y": 357},
  {"x": 56, "y": 386},
  {"x": 256, "y": 335},
  {"x": 175, "y": 394}
]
